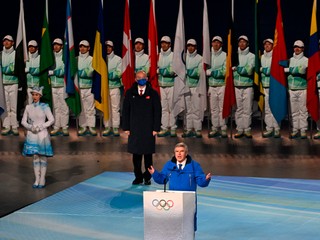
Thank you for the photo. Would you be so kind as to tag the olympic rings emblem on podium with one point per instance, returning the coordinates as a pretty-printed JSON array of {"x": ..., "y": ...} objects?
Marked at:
[{"x": 162, "y": 204}]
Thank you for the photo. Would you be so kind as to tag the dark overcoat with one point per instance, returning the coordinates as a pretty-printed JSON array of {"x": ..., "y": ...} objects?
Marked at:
[{"x": 141, "y": 115}]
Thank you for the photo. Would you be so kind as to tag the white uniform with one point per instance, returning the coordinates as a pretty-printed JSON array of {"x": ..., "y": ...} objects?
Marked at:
[
  {"x": 142, "y": 62},
  {"x": 216, "y": 81},
  {"x": 85, "y": 72},
  {"x": 243, "y": 82},
  {"x": 60, "y": 107},
  {"x": 36, "y": 119},
  {"x": 115, "y": 83},
  {"x": 166, "y": 82},
  {"x": 32, "y": 70},
  {"x": 10, "y": 83},
  {"x": 193, "y": 101},
  {"x": 271, "y": 122},
  {"x": 297, "y": 84}
]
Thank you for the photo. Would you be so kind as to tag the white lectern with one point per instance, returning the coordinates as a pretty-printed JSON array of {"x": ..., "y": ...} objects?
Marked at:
[{"x": 169, "y": 215}]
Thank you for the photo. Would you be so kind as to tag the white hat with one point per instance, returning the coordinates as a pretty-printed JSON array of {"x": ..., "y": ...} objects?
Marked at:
[
  {"x": 8, "y": 37},
  {"x": 298, "y": 43},
  {"x": 244, "y": 37},
  {"x": 217, "y": 38},
  {"x": 37, "y": 90},
  {"x": 268, "y": 40},
  {"x": 84, "y": 43},
  {"x": 32, "y": 43},
  {"x": 57, "y": 41},
  {"x": 166, "y": 39},
  {"x": 192, "y": 42},
  {"x": 109, "y": 43},
  {"x": 140, "y": 40}
]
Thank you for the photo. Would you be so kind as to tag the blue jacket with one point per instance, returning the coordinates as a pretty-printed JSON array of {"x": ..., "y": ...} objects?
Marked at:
[{"x": 186, "y": 179}]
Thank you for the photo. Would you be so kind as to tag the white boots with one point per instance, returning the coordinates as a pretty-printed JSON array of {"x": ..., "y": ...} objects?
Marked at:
[{"x": 40, "y": 169}]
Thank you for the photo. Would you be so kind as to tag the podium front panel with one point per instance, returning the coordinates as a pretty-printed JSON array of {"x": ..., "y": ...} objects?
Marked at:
[{"x": 169, "y": 215}]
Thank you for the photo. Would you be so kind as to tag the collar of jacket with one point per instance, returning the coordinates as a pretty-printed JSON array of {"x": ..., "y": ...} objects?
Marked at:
[
  {"x": 135, "y": 88},
  {"x": 174, "y": 160}
]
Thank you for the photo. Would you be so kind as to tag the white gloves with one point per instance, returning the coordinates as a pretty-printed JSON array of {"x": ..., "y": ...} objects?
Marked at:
[
  {"x": 208, "y": 72},
  {"x": 36, "y": 129},
  {"x": 50, "y": 73}
]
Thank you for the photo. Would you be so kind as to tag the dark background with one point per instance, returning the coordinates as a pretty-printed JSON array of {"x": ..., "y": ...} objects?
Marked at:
[{"x": 296, "y": 18}]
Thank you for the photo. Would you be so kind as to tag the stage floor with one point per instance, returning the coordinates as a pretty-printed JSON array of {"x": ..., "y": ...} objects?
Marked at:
[{"x": 107, "y": 206}]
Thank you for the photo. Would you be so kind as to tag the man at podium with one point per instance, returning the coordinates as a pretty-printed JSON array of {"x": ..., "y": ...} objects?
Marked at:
[{"x": 182, "y": 172}]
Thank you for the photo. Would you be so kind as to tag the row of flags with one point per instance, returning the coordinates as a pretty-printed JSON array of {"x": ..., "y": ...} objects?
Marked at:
[{"x": 278, "y": 83}]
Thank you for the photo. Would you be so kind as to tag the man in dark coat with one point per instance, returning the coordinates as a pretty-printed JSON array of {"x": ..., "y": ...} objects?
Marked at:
[{"x": 141, "y": 121}]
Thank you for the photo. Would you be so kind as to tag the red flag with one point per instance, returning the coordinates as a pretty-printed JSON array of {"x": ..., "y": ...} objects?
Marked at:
[
  {"x": 153, "y": 48},
  {"x": 127, "y": 57},
  {"x": 229, "y": 95},
  {"x": 313, "y": 67},
  {"x": 278, "y": 80}
]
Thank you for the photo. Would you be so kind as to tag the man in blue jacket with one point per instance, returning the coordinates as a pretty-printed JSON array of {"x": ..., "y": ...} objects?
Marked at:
[{"x": 182, "y": 172}]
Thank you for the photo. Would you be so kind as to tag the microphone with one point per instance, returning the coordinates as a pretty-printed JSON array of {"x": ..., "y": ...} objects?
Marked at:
[
  {"x": 165, "y": 185},
  {"x": 166, "y": 180}
]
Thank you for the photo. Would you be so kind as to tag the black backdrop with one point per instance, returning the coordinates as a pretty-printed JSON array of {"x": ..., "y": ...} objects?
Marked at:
[{"x": 296, "y": 17}]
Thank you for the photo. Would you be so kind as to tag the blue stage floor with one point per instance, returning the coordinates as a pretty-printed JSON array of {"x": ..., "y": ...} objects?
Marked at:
[{"x": 109, "y": 207}]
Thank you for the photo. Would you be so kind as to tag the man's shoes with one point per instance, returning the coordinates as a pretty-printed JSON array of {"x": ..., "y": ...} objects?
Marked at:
[
  {"x": 187, "y": 134},
  {"x": 15, "y": 131},
  {"x": 198, "y": 134},
  {"x": 173, "y": 133},
  {"x": 317, "y": 135},
  {"x": 164, "y": 133},
  {"x": 294, "y": 134},
  {"x": 303, "y": 135},
  {"x": 248, "y": 134},
  {"x": 65, "y": 132},
  {"x": 92, "y": 131},
  {"x": 81, "y": 131},
  {"x": 224, "y": 134},
  {"x": 106, "y": 132},
  {"x": 5, "y": 131},
  {"x": 55, "y": 132},
  {"x": 276, "y": 133},
  {"x": 147, "y": 182},
  {"x": 239, "y": 134},
  {"x": 116, "y": 132},
  {"x": 267, "y": 134},
  {"x": 213, "y": 134},
  {"x": 137, "y": 181}
]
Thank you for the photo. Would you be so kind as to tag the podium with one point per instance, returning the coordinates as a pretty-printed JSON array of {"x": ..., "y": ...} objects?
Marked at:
[{"x": 169, "y": 215}]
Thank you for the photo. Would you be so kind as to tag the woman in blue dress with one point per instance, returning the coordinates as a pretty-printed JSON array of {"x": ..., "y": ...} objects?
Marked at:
[{"x": 36, "y": 119}]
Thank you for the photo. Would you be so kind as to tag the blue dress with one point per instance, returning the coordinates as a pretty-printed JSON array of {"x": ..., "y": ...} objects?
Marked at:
[{"x": 37, "y": 116}]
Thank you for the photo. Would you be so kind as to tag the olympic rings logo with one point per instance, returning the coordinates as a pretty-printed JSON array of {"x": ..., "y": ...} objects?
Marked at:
[{"x": 162, "y": 204}]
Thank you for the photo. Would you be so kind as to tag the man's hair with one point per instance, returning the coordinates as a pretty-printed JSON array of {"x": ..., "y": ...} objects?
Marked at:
[
  {"x": 181, "y": 144},
  {"x": 141, "y": 71}
]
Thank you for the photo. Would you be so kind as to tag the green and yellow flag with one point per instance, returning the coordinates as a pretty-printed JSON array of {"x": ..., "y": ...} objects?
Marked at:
[{"x": 46, "y": 62}]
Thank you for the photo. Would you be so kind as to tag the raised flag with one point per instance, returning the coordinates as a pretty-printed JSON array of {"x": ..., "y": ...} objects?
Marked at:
[
  {"x": 313, "y": 67},
  {"x": 100, "y": 84},
  {"x": 278, "y": 82},
  {"x": 229, "y": 100},
  {"x": 71, "y": 81},
  {"x": 206, "y": 59},
  {"x": 3, "y": 108},
  {"x": 46, "y": 62},
  {"x": 21, "y": 57},
  {"x": 258, "y": 89},
  {"x": 179, "y": 66},
  {"x": 127, "y": 52},
  {"x": 153, "y": 48}
]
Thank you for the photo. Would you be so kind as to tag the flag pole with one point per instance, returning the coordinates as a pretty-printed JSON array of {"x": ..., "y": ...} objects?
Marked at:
[{"x": 232, "y": 109}]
